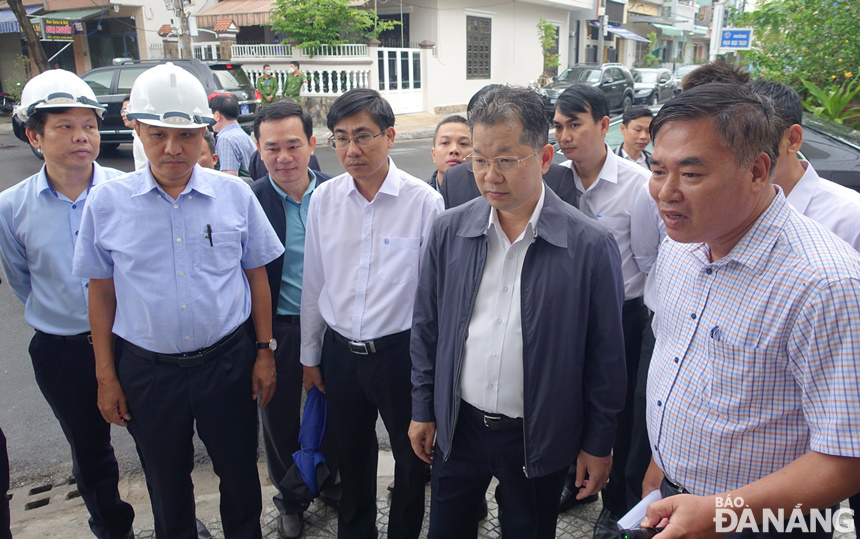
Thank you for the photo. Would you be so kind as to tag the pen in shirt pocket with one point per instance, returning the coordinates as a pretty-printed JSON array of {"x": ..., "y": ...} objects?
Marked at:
[
  {"x": 209, "y": 235},
  {"x": 717, "y": 334}
]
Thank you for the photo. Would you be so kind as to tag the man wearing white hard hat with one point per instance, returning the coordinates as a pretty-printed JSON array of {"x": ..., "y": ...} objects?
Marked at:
[
  {"x": 176, "y": 257},
  {"x": 39, "y": 222}
]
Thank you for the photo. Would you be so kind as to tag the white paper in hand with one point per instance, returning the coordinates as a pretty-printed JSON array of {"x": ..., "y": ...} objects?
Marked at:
[{"x": 635, "y": 516}]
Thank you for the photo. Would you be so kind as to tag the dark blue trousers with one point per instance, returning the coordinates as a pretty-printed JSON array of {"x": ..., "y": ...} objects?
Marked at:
[
  {"x": 166, "y": 401},
  {"x": 65, "y": 373},
  {"x": 5, "y": 521},
  {"x": 528, "y": 507}
]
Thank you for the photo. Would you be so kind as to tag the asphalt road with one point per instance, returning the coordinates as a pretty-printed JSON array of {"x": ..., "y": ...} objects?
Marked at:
[{"x": 38, "y": 451}]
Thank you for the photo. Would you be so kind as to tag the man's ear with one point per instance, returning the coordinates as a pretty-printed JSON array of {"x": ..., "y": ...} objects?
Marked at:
[
  {"x": 34, "y": 137},
  {"x": 795, "y": 138}
]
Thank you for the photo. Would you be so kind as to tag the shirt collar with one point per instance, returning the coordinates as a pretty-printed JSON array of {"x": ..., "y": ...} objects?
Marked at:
[
  {"x": 531, "y": 226},
  {"x": 609, "y": 172},
  {"x": 390, "y": 185},
  {"x": 197, "y": 182},
  {"x": 230, "y": 127},
  {"x": 42, "y": 178},
  {"x": 802, "y": 193},
  {"x": 280, "y": 192},
  {"x": 754, "y": 248}
]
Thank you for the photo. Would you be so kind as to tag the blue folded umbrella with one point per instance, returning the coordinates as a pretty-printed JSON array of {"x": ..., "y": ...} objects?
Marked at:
[{"x": 309, "y": 472}]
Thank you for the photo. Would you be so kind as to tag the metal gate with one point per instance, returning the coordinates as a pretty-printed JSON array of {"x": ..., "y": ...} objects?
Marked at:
[{"x": 400, "y": 79}]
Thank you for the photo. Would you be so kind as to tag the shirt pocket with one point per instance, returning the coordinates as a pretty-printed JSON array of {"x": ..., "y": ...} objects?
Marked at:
[
  {"x": 398, "y": 259},
  {"x": 745, "y": 382},
  {"x": 222, "y": 254}
]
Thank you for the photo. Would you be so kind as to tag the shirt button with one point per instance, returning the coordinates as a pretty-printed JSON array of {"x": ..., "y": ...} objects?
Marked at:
[
  {"x": 387, "y": 241},
  {"x": 677, "y": 359},
  {"x": 76, "y": 232},
  {"x": 709, "y": 271},
  {"x": 182, "y": 274},
  {"x": 189, "y": 197},
  {"x": 505, "y": 289},
  {"x": 499, "y": 321},
  {"x": 176, "y": 206},
  {"x": 178, "y": 240},
  {"x": 693, "y": 316},
  {"x": 184, "y": 307},
  {"x": 490, "y": 386},
  {"x": 74, "y": 206},
  {"x": 187, "y": 338},
  {"x": 659, "y": 403},
  {"x": 87, "y": 285},
  {"x": 510, "y": 256}
]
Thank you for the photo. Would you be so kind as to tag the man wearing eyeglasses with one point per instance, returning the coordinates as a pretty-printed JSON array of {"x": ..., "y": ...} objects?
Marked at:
[
  {"x": 366, "y": 232},
  {"x": 503, "y": 380}
]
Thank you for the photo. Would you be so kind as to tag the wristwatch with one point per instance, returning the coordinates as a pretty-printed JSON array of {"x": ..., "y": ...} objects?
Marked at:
[{"x": 267, "y": 345}]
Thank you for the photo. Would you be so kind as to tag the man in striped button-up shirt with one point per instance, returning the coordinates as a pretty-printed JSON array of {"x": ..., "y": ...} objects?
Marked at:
[{"x": 754, "y": 387}]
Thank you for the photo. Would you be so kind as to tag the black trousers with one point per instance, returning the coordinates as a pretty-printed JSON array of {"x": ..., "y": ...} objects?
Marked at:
[
  {"x": 165, "y": 402},
  {"x": 357, "y": 388},
  {"x": 65, "y": 372},
  {"x": 854, "y": 503},
  {"x": 528, "y": 507},
  {"x": 640, "y": 448},
  {"x": 634, "y": 318},
  {"x": 280, "y": 418},
  {"x": 667, "y": 490},
  {"x": 5, "y": 520}
]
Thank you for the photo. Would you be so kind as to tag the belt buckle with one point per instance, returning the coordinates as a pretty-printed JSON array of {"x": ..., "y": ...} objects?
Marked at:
[
  {"x": 362, "y": 348},
  {"x": 490, "y": 421},
  {"x": 90, "y": 338},
  {"x": 191, "y": 361}
]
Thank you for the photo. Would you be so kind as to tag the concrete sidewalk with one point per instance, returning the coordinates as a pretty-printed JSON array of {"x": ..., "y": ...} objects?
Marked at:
[
  {"x": 57, "y": 511},
  {"x": 406, "y": 126}
]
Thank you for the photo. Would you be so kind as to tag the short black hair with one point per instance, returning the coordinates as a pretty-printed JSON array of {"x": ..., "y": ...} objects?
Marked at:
[
  {"x": 36, "y": 121},
  {"x": 717, "y": 71},
  {"x": 743, "y": 119},
  {"x": 452, "y": 119},
  {"x": 634, "y": 113},
  {"x": 480, "y": 93},
  {"x": 360, "y": 100},
  {"x": 295, "y": 63},
  {"x": 126, "y": 98},
  {"x": 226, "y": 104},
  {"x": 283, "y": 109},
  {"x": 581, "y": 98},
  {"x": 786, "y": 101},
  {"x": 506, "y": 105},
  {"x": 266, "y": 65}
]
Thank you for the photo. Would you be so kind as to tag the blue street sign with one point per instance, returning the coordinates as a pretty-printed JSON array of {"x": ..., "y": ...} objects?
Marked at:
[{"x": 736, "y": 38}]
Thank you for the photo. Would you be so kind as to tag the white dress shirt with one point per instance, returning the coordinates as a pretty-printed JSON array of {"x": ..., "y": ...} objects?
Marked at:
[
  {"x": 647, "y": 232},
  {"x": 137, "y": 151},
  {"x": 362, "y": 258},
  {"x": 642, "y": 161},
  {"x": 834, "y": 206},
  {"x": 492, "y": 376},
  {"x": 610, "y": 200}
]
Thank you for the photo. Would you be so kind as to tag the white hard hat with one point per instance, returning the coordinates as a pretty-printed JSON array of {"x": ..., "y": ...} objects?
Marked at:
[
  {"x": 54, "y": 89},
  {"x": 169, "y": 96}
]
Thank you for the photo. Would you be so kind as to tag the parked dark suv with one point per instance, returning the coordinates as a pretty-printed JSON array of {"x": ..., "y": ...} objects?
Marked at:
[
  {"x": 614, "y": 80},
  {"x": 112, "y": 84}
]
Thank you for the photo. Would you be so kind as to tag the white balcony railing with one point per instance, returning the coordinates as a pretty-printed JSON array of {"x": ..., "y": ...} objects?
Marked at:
[
  {"x": 321, "y": 82},
  {"x": 347, "y": 50}
]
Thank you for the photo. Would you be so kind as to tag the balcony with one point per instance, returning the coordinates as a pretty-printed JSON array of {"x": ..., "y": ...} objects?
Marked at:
[{"x": 347, "y": 50}]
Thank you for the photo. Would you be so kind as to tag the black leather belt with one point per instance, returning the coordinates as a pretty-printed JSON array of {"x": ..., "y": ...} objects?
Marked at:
[
  {"x": 364, "y": 348},
  {"x": 292, "y": 319},
  {"x": 492, "y": 421},
  {"x": 672, "y": 487},
  {"x": 80, "y": 337},
  {"x": 633, "y": 304},
  {"x": 188, "y": 359}
]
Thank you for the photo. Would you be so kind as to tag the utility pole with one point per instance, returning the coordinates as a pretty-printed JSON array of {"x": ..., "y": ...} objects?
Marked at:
[
  {"x": 178, "y": 9},
  {"x": 601, "y": 29},
  {"x": 34, "y": 43},
  {"x": 716, "y": 29}
]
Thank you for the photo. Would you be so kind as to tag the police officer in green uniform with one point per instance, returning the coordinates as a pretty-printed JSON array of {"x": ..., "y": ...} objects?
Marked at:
[
  {"x": 295, "y": 80},
  {"x": 267, "y": 85}
]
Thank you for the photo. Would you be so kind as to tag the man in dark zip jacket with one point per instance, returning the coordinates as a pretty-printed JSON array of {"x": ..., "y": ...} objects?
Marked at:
[{"x": 517, "y": 351}]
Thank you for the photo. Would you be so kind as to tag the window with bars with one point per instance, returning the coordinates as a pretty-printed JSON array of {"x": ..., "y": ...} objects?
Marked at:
[{"x": 478, "y": 33}]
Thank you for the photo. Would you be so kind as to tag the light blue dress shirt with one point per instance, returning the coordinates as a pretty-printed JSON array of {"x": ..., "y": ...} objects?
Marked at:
[
  {"x": 176, "y": 292},
  {"x": 296, "y": 214},
  {"x": 38, "y": 229},
  {"x": 234, "y": 148}
]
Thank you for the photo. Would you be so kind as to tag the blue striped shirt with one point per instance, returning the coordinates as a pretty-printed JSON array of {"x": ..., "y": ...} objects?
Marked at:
[
  {"x": 38, "y": 231},
  {"x": 756, "y": 355}
]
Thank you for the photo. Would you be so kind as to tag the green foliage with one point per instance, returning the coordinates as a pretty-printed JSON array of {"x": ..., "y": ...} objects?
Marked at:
[
  {"x": 311, "y": 23},
  {"x": 548, "y": 37},
  {"x": 21, "y": 74},
  {"x": 650, "y": 59},
  {"x": 804, "y": 40},
  {"x": 832, "y": 103}
]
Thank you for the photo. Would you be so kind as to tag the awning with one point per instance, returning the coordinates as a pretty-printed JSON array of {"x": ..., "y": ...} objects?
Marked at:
[
  {"x": 625, "y": 33},
  {"x": 700, "y": 30},
  {"x": 243, "y": 12},
  {"x": 70, "y": 14},
  {"x": 8, "y": 22},
  {"x": 668, "y": 29}
]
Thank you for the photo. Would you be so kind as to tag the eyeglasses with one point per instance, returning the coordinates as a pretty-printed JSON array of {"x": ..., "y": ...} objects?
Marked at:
[
  {"x": 341, "y": 142},
  {"x": 504, "y": 164}
]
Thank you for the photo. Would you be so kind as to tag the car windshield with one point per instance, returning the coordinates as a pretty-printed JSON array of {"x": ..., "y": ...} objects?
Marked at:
[
  {"x": 580, "y": 74},
  {"x": 683, "y": 70},
  {"x": 645, "y": 76},
  {"x": 233, "y": 78}
]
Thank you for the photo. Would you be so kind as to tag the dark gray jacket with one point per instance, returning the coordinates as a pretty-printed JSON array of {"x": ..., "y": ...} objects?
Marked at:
[{"x": 573, "y": 347}]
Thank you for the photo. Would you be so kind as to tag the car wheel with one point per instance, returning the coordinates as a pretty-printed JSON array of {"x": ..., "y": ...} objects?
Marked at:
[
  {"x": 652, "y": 100},
  {"x": 626, "y": 104},
  {"x": 37, "y": 152},
  {"x": 109, "y": 146}
]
